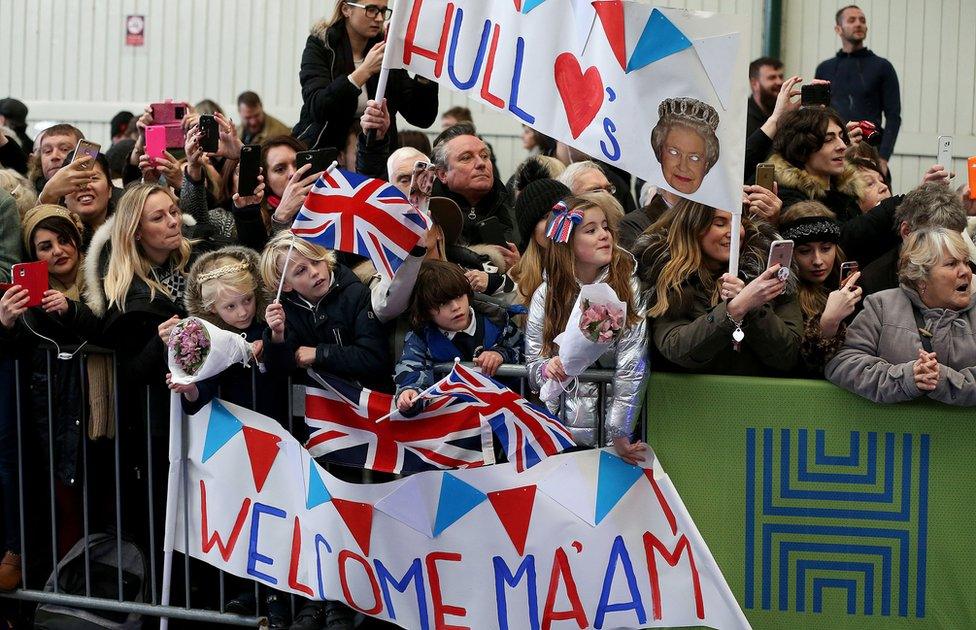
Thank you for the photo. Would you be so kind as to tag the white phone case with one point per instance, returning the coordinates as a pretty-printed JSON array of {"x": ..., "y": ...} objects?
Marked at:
[{"x": 944, "y": 156}]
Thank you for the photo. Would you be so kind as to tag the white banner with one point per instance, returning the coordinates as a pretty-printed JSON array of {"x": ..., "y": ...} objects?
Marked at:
[
  {"x": 582, "y": 536},
  {"x": 596, "y": 75}
]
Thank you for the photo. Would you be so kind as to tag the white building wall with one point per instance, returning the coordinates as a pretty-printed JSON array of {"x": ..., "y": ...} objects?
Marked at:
[
  {"x": 931, "y": 45},
  {"x": 67, "y": 60}
]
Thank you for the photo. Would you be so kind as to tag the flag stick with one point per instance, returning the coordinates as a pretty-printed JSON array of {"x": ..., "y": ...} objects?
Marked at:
[
  {"x": 284, "y": 269},
  {"x": 419, "y": 396}
]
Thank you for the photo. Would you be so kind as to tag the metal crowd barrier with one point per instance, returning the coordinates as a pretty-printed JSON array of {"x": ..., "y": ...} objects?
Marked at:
[{"x": 34, "y": 525}]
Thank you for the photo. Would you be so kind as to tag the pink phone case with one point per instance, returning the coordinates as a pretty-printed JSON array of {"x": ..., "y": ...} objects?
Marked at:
[{"x": 155, "y": 141}]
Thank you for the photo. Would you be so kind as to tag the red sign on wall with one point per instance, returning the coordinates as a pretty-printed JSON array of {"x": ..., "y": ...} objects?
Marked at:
[{"x": 135, "y": 30}]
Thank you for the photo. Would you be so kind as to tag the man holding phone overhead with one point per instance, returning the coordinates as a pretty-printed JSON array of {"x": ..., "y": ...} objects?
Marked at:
[{"x": 863, "y": 85}]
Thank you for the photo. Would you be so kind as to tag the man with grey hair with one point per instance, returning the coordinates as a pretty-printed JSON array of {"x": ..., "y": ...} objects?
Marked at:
[
  {"x": 933, "y": 204},
  {"x": 465, "y": 174},
  {"x": 399, "y": 167}
]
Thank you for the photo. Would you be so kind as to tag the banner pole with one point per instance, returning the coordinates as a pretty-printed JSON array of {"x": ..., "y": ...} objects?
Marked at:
[
  {"x": 176, "y": 458},
  {"x": 734, "y": 244}
]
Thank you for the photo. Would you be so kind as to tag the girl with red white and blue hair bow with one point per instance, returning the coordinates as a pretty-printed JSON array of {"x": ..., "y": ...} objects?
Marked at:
[{"x": 583, "y": 250}]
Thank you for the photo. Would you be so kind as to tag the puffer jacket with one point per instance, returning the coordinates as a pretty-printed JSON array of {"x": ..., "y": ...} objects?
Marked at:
[
  {"x": 882, "y": 345},
  {"x": 329, "y": 99},
  {"x": 349, "y": 340},
  {"x": 495, "y": 332},
  {"x": 695, "y": 335},
  {"x": 863, "y": 236},
  {"x": 580, "y": 409}
]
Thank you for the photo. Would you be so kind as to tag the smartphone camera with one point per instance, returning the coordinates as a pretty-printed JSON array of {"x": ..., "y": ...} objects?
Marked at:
[{"x": 179, "y": 112}]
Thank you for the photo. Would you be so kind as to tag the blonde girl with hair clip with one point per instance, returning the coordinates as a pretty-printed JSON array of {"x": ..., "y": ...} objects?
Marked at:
[
  {"x": 584, "y": 252},
  {"x": 224, "y": 288}
]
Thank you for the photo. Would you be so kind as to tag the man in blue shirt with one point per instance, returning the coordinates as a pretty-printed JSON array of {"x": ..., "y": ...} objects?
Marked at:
[{"x": 863, "y": 86}]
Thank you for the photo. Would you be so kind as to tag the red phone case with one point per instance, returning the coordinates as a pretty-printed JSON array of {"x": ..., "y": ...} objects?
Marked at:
[{"x": 33, "y": 277}]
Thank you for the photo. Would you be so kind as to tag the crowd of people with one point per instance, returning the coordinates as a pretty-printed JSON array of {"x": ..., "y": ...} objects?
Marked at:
[{"x": 134, "y": 243}]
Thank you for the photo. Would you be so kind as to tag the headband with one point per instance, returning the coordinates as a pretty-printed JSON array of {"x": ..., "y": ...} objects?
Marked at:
[
  {"x": 563, "y": 222},
  {"x": 811, "y": 229},
  {"x": 222, "y": 271}
]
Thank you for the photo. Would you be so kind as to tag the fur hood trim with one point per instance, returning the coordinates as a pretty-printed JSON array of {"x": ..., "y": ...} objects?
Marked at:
[
  {"x": 789, "y": 176},
  {"x": 193, "y": 299},
  {"x": 320, "y": 28},
  {"x": 651, "y": 252},
  {"x": 96, "y": 265},
  {"x": 494, "y": 257}
]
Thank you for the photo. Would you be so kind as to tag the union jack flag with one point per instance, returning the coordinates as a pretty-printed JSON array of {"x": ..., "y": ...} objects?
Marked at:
[
  {"x": 527, "y": 433},
  {"x": 448, "y": 433},
  {"x": 360, "y": 215}
]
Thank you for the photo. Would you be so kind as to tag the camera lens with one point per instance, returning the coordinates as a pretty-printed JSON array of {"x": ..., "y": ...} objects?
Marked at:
[{"x": 179, "y": 112}]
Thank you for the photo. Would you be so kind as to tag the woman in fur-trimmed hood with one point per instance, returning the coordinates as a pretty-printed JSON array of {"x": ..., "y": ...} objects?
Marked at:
[
  {"x": 808, "y": 153},
  {"x": 340, "y": 71},
  {"x": 696, "y": 309}
]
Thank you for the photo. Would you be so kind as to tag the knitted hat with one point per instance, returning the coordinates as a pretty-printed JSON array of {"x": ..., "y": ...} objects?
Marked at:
[
  {"x": 535, "y": 203},
  {"x": 46, "y": 211}
]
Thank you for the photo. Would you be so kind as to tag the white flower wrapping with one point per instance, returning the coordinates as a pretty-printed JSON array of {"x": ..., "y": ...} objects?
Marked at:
[
  {"x": 224, "y": 350},
  {"x": 576, "y": 350}
]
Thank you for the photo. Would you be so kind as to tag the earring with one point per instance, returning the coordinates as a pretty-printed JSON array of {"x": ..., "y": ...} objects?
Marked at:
[
  {"x": 138, "y": 237},
  {"x": 922, "y": 292}
]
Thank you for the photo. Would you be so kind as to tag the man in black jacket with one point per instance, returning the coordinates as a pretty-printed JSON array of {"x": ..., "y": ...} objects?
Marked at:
[
  {"x": 465, "y": 174},
  {"x": 863, "y": 86},
  {"x": 765, "y": 81}
]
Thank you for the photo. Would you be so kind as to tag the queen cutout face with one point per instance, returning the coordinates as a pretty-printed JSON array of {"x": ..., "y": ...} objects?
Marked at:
[{"x": 685, "y": 143}]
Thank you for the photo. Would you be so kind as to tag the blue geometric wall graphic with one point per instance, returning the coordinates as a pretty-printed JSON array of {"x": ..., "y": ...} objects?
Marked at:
[
  {"x": 221, "y": 427},
  {"x": 457, "y": 498},
  {"x": 317, "y": 492},
  {"x": 853, "y": 523}
]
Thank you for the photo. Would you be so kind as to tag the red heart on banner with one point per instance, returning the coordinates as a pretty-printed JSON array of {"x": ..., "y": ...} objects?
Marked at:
[{"x": 581, "y": 92}]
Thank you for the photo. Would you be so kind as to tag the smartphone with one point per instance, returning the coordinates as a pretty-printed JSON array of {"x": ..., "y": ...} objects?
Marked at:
[
  {"x": 972, "y": 177},
  {"x": 169, "y": 112},
  {"x": 765, "y": 173},
  {"x": 781, "y": 252},
  {"x": 83, "y": 148},
  {"x": 943, "y": 156},
  {"x": 320, "y": 159},
  {"x": 33, "y": 277},
  {"x": 815, "y": 94},
  {"x": 209, "y": 133},
  {"x": 492, "y": 231},
  {"x": 847, "y": 269},
  {"x": 250, "y": 165},
  {"x": 421, "y": 182},
  {"x": 155, "y": 141}
]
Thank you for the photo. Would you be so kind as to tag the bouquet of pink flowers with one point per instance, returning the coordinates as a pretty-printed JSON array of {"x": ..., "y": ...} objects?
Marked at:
[
  {"x": 601, "y": 323},
  {"x": 595, "y": 323},
  {"x": 199, "y": 350}
]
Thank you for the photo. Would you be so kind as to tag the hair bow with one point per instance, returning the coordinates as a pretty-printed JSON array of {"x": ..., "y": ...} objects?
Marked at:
[{"x": 563, "y": 222}]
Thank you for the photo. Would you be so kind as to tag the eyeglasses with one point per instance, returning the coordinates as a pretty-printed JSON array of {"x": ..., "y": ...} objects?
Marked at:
[
  {"x": 372, "y": 10},
  {"x": 609, "y": 188}
]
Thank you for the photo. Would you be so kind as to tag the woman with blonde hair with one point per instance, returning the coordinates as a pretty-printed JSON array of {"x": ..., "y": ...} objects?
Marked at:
[
  {"x": 826, "y": 301},
  {"x": 339, "y": 73},
  {"x": 919, "y": 339},
  {"x": 584, "y": 252},
  {"x": 706, "y": 320}
]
